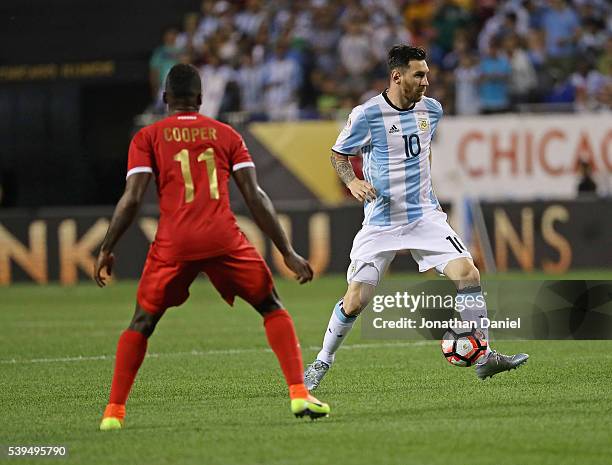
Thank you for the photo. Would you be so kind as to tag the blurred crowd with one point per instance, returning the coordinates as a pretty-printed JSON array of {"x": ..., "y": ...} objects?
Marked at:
[{"x": 285, "y": 60}]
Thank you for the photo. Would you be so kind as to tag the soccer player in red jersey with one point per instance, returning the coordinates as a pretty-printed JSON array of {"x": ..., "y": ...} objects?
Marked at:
[{"x": 191, "y": 158}]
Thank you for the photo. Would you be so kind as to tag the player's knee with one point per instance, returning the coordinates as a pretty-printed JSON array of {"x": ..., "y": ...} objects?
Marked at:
[
  {"x": 469, "y": 276},
  {"x": 353, "y": 303},
  {"x": 144, "y": 322},
  {"x": 463, "y": 273},
  {"x": 270, "y": 303}
]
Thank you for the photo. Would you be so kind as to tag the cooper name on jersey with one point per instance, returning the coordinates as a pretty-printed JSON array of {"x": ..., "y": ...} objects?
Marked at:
[{"x": 186, "y": 134}]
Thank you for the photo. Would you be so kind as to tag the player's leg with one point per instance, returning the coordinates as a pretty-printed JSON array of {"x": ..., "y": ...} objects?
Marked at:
[
  {"x": 131, "y": 350},
  {"x": 245, "y": 274},
  {"x": 436, "y": 245},
  {"x": 283, "y": 340},
  {"x": 467, "y": 279},
  {"x": 343, "y": 317},
  {"x": 363, "y": 277},
  {"x": 162, "y": 285}
]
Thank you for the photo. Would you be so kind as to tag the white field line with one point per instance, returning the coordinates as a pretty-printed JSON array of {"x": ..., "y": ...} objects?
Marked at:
[
  {"x": 204, "y": 353},
  {"x": 64, "y": 324}
]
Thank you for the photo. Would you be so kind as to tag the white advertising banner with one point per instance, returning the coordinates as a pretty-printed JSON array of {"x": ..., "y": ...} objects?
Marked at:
[{"x": 520, "y": 156}]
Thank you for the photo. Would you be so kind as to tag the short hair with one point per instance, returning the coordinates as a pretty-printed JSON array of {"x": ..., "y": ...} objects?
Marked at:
[
  {"x": 183, "y": 81},
  {"x": 400, "y": 56}
]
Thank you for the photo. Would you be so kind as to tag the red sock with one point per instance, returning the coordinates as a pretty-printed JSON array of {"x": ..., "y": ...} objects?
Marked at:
[
  {"x": 284, "y": 342},
  {"x": 131, "y": 350}
]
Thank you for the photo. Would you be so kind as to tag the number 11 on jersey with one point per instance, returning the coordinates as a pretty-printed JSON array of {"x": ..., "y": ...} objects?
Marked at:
[{"x": 207, "y": 156}]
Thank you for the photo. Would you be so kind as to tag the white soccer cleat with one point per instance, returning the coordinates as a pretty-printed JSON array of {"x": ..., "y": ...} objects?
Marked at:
[
  {"x": 498, "y": 363},
  {"x": 314, "y": 374}
]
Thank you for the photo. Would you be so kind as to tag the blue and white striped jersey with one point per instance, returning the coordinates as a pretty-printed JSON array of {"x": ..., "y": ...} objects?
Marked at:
[{"x": 395, "y": 145}]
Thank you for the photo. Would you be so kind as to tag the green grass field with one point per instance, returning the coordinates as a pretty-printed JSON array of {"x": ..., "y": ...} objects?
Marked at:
[{"x": 211, "y": 393}]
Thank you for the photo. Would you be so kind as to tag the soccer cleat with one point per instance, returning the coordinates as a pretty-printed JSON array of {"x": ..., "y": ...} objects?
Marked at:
[
  {"x": 497, "y": 363},
  {"x": 113, "y": 417},
  {"x": 309, "y": 407},
  {"x": 110, "y": 424},
  {"x": 314, "y": 374}
]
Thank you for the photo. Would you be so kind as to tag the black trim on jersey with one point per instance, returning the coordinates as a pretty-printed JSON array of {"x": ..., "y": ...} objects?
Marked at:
[{"x": 386, "y": 97}]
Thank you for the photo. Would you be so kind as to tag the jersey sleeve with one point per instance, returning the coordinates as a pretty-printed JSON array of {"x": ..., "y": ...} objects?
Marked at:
[
  {"x": 240, "y": 156},
  {"x": 355, "y": 134},
  {"x": 140, "y": 154},
  {"x": 435, "y": 113}
]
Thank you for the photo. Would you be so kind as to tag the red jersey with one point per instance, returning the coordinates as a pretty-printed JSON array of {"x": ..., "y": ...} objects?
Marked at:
[{"x": 192, "y": 157}]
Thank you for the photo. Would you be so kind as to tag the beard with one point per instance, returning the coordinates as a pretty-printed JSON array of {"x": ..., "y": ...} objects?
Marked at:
[
  {"x": 416, "y": 95},
  {"x": 419, "y": 94}
]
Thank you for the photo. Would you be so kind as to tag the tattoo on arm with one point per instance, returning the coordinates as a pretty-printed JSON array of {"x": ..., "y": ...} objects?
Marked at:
[{"x": 343, "y": 168}]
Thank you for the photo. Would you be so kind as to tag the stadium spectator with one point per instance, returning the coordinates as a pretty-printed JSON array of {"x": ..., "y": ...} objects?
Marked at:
[
  {"x": 260, "y": 46},
  {"x": 216, "y": 76},
  {"x": 523, "y": 79},
  {"x": 593, "y": 37},
  {"x": 164, "y": 57},
  {"x": 460, "y": 47},
  {"x": 439, "y": 91},
  {"x": 249, "y": 20},
  {"x": 281, "y": 80},
  {"x": 510, "y": 18},
  {"x": 418, "y": 12},
  {"x": 227, "y": 43},
  {"x": 210, "y": 18},
  {"x": 355, "y": 50},
  {"x": 467, "y": 75},
  {"x": 535, "y": 12},
  {"x": 497, "y": 28},
  {"x": 495, "y": 74},
  {"x": 604, "y": 64},
  {"x": 328, "y": 99},
  {"x": 544, "y": 38},
  {"x": 250, "y": 79},
  {"x": 449, "y": 18},
  {"x": 588, "y": 86},
  {"x": 561, "y": 27},
  {"x": 422, "y": 34},
  {"x": 536, "y": 48},
  {"x": 187, "y": 39},
  {"x": 303, "y": 24},
  {"x": 387, "y": 34},
  {"x": 560, "y": 91}
]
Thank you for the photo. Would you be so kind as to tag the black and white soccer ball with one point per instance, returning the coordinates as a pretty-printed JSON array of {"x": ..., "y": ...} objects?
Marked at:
[{"x": 463, "y": 349}]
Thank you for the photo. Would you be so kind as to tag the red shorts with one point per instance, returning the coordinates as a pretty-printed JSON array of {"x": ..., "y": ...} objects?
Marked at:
[{"x": 240, "y": 273}]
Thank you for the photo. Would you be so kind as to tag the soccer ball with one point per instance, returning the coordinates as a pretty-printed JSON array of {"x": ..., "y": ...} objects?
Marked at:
[{"x": 463, "y": 349}]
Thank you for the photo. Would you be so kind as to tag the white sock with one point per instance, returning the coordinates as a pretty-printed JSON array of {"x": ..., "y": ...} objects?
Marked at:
[
  {"x": 339, "y": 326},
  {"x": 474, "y": 309}
]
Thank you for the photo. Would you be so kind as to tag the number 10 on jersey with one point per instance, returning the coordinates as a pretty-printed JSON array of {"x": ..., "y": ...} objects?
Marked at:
[{"x": 207, "y": 156}]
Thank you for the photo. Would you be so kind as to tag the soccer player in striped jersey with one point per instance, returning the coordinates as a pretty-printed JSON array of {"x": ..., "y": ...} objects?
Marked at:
[{"x": 393, "y": 132}]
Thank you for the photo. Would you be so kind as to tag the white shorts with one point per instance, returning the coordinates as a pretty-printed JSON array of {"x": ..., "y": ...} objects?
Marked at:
[{"x": 430, "y": 240}]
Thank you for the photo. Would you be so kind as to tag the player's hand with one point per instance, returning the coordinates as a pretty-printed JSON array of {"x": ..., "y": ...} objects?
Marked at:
[
  {"x": 300, "y": 266},
  {"x": 362, "y": 190},
  {"x": 105, "y": 261}
]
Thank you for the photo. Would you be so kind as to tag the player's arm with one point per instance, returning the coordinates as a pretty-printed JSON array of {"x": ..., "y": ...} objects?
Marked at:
[
  {"x": 264, "y": 214},
  {"x": 123, "y": 216},
  {"x": 361, "y": 190}
]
